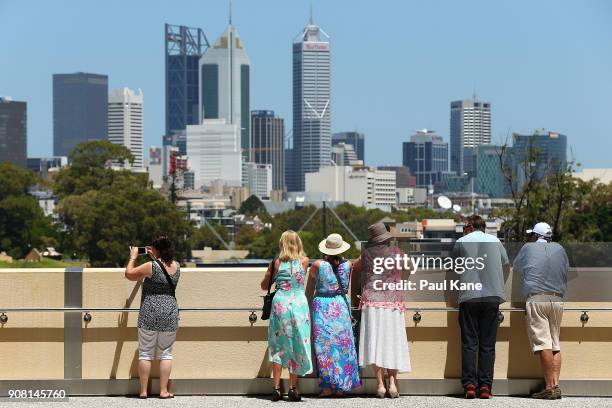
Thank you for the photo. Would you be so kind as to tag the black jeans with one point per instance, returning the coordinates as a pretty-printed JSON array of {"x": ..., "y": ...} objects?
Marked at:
[{"x": 478, "y": 322}]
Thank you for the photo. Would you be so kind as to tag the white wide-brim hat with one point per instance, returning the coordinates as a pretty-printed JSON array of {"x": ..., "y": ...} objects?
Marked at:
[{"x": 333, "y": 245}]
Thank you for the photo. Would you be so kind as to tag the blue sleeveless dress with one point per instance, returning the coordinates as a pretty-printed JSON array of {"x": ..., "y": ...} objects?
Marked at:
[
  {"x": 289, "y": 328},
  {"x": 338, "y": 368}
]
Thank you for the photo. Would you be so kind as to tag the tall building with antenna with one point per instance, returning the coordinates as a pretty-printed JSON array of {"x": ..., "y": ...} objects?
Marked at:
[
  {"x": 225, "y": 84},
  {"x": 470, "y": 127},
  {"x": 311, "y": 103},
  {"x": 220, "y": 143}
]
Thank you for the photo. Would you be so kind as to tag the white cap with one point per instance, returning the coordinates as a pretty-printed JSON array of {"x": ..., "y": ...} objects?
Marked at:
[{"x": 541, "y": 228}]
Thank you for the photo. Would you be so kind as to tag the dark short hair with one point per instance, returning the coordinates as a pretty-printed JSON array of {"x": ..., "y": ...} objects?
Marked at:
[
  {"x": 164, "y": 246},
  {"x": 477, "y": 222}
]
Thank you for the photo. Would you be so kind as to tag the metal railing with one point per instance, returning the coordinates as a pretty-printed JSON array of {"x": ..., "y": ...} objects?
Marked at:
[{"x": 417, "y": 316}]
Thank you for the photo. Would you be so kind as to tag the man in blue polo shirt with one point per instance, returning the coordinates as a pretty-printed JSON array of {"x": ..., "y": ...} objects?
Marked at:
[{"x": 479, "y": 308}]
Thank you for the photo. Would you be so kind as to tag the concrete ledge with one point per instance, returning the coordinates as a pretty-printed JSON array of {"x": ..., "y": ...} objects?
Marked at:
[{"x": 262, "y": 386}]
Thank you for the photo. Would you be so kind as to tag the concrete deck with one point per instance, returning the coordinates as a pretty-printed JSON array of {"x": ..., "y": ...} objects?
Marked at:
[{"x": 249, "y": 402}]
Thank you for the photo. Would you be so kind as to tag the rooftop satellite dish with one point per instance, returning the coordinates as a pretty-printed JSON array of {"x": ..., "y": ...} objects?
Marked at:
[
  {"x": 445, "y": 202},
  {"x": 456, "y": 208}
]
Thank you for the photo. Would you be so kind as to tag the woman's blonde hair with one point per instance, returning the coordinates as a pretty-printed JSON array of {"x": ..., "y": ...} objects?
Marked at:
[{"x": 290, "y": 245}]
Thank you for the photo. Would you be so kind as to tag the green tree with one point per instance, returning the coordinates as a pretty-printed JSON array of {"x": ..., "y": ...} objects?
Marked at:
[
  {"x": 23, "y": 224},
  {"x": 252, "y": 206},
  {"x": 105, "y": 210}
]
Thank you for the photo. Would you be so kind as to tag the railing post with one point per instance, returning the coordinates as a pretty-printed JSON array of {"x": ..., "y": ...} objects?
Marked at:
[{"x": 73, "y": 323}]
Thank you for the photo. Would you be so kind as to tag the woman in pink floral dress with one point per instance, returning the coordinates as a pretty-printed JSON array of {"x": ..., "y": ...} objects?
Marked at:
[
  {"x": 289, "y": 328},
  {"x": 382, "y": 337}
]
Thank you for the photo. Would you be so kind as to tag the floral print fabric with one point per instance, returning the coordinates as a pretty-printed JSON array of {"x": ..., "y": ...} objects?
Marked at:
[
  {"x": 334, "y": 343},
  {"x": 289, "y": 328}
]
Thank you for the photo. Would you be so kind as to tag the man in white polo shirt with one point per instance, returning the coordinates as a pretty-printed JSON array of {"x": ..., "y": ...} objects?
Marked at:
[{"x": 543, "y": 266}]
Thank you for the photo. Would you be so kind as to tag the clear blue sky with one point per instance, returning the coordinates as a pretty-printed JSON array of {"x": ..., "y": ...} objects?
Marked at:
[{"x": 396, "y": 65}]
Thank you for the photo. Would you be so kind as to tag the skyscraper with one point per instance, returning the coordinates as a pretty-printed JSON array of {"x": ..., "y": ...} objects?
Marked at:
[
  {"x": 357, "y": 139},
  {"x": 125, "y": 121},
  {"x": 225, "y": 84},
  {"x": 183, "y": 48},
  {"x": 13, "y": 132},
  {"x": 491, "y": 163},
  {"x": 426, "y": 154},
  {"x": 470, "y": 127},
  {"x": 267, "y": 144},
  {"x": 539, "y": 154},
  {"x": 311, "y": 103},
  {"x": 80, "y": 103}
]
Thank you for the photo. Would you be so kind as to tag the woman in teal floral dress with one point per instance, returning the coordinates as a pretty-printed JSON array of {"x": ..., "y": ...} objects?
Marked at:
[
  {"x": 338, "y": 368},
  {"x": 289, "y": 328}
]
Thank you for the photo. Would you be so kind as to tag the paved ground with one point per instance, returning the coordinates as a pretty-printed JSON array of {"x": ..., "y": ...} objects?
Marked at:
[{"x": 248, "y": 402}]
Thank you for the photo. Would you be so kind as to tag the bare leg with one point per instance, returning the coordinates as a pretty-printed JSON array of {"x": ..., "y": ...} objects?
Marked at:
[
  {"x": 392, "y": 381},
  {"x": 144, "y": 369},
  {"x": 276, "y": 374},
  {"x": 293, "y": 381},
  {"x": 556, "y": 366},
  {"x": 546, "y": 361},
  {"x": 165, "y": 367},
  {"x": 380, "y": 381}
]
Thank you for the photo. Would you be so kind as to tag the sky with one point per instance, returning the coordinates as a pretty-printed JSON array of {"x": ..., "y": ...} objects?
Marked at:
[{"x": 396, "y": 64}]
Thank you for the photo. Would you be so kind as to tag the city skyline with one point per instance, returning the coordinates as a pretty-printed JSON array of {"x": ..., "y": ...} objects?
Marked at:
[{"x": 558, "y": 90}]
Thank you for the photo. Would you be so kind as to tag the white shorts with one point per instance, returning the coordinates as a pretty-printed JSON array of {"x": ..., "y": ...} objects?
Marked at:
[{"x": 152, "y": 342}]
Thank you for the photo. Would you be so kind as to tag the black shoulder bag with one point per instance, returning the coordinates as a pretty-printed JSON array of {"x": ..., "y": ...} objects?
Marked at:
[
  {"x": 344, "y": 292},
  {"x": 266, "y": 310},
  {"x": 168, "y": 278}
]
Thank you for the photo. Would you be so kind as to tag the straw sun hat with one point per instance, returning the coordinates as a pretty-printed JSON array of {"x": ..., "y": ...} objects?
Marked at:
[{"x": 333, "y": 245}]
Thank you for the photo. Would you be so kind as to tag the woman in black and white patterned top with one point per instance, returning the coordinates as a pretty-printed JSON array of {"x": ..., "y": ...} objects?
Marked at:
[{"x": 158, "y": 317}]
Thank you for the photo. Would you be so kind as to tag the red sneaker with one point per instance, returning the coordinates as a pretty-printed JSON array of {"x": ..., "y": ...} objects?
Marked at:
[
  {"x": 485, "y": 392},
  {"x": 470, "y": 391}
]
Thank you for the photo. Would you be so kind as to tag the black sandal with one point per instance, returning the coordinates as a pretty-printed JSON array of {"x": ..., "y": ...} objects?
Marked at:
[
  {"x": 276, "y": 394},
  {"x": 293, "y": 395}
]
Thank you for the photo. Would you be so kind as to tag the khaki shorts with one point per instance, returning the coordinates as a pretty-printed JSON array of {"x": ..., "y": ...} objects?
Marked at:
[
  {"x": 152, "y": 342},
  {"x": 544, "y": 315}
]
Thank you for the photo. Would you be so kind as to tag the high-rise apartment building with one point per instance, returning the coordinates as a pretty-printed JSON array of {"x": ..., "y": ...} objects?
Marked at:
[
  {"x": 470, "y": 127},
  {"x": 225, "y": 84},
  {"x": 354, "y": 138},
  {"x": 13, "y": 132},
  {"x": 426, "y": 154},
  {"x": 125, "y": 122},
  {"x": 80, "y": 103},
  {"x": 267, "y": 144},
  {"x": 311, "y": 103},
  {"x": 184, "y": 46}
]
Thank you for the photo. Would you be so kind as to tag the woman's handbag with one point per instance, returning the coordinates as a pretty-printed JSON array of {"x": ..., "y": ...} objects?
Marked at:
[{"x": 266, "y": 310}]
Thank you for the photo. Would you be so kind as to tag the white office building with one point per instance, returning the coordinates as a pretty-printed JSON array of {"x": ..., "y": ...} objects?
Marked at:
[
  {"x": 358, "y": 186},
  {"x": 225, "y": 84},
  {"x": 214, "y": 153},
  {"x": 344, "y": 154},
  {"x": 258, "y": 178},
  {"x": 470, "y": 127},
  {"x": 125, "y": 122}
]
